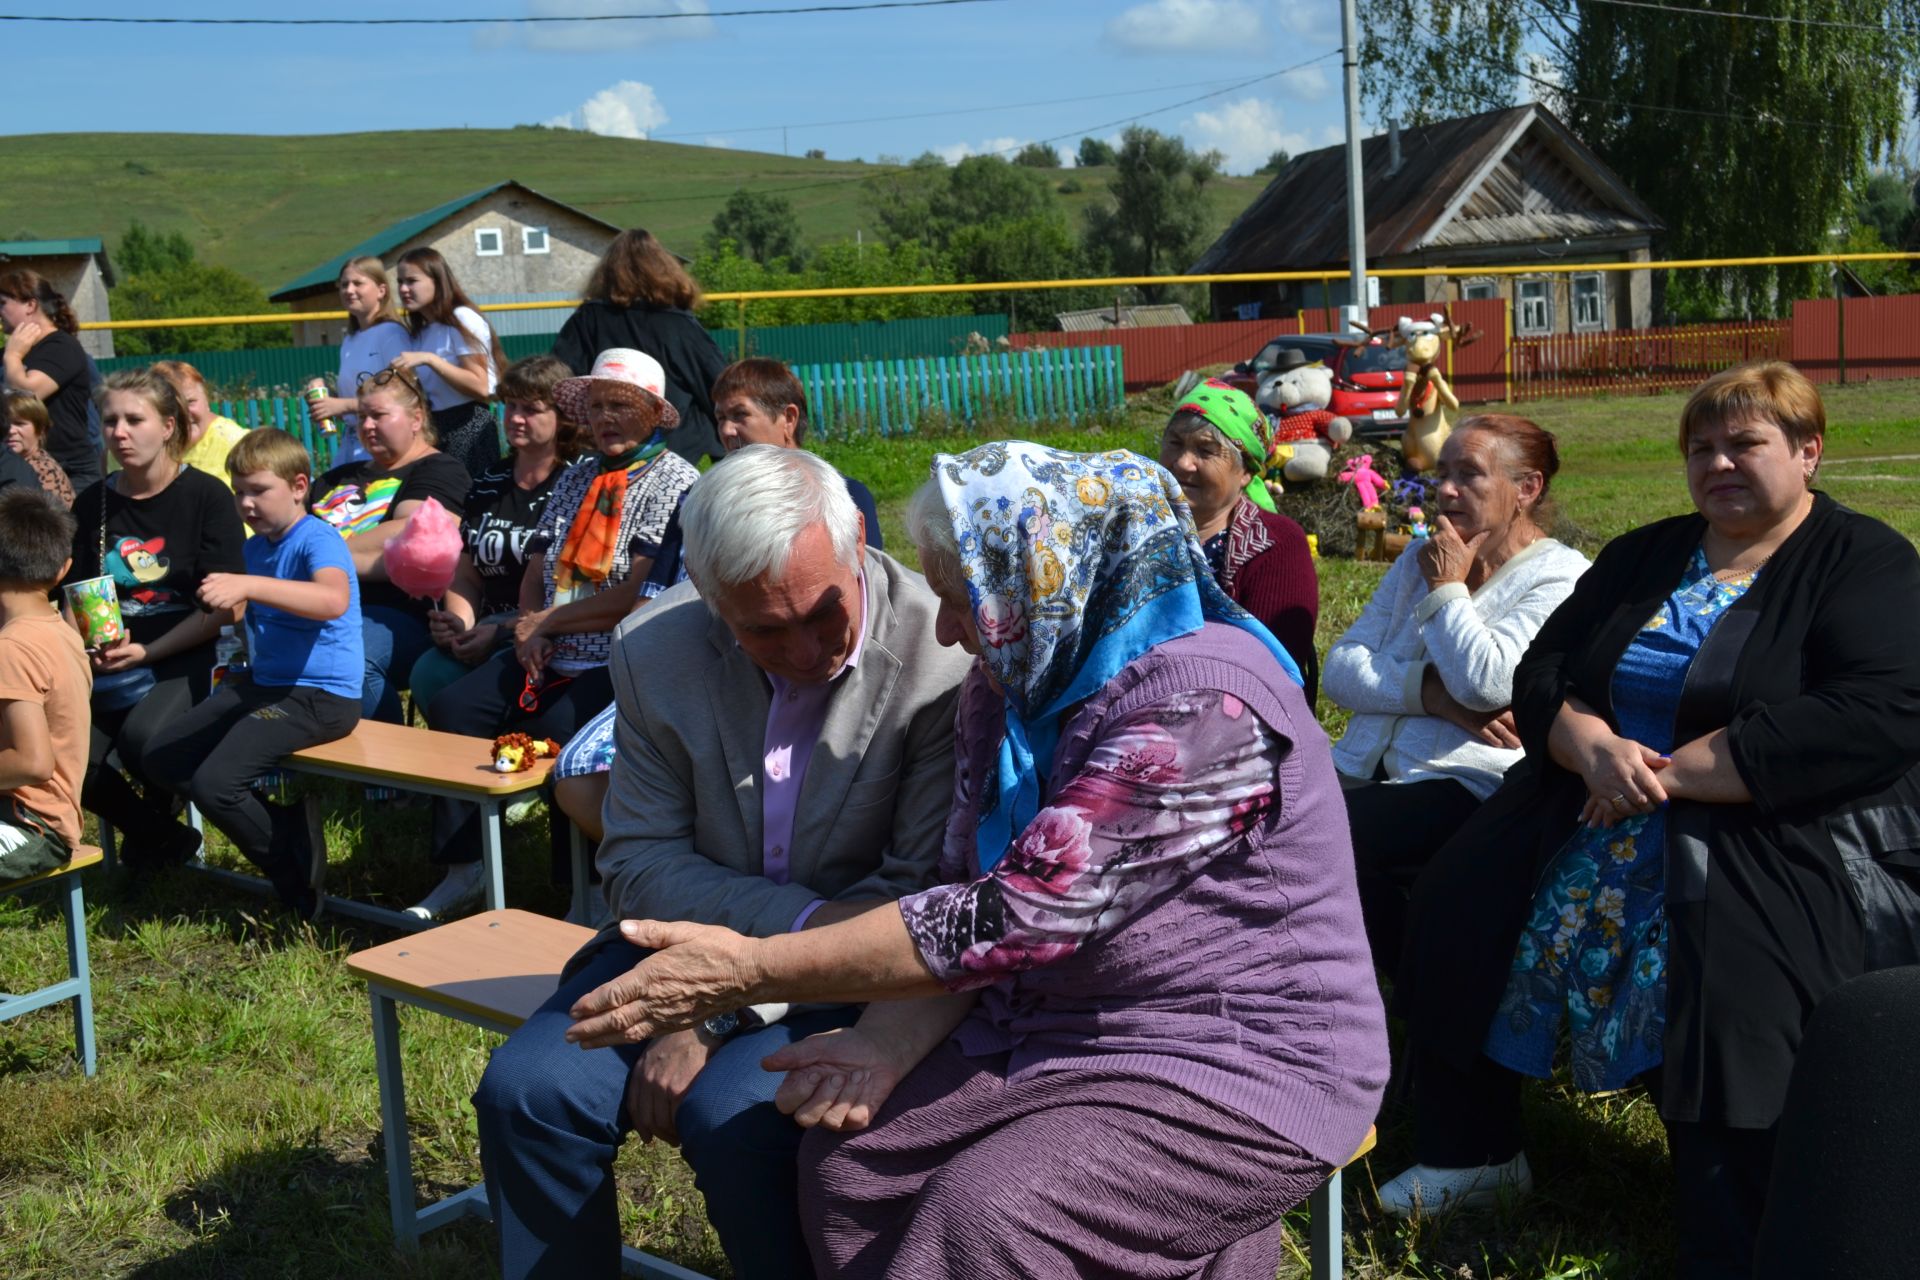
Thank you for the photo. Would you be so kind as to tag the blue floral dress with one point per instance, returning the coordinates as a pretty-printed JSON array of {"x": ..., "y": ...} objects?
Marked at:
[{"x": 1595, "y": 946}]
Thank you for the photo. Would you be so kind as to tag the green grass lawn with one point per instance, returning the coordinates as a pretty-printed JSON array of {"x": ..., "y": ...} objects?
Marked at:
[
  {"x": 233, "y": 1129},
  {"x": 274, "y": 207}
]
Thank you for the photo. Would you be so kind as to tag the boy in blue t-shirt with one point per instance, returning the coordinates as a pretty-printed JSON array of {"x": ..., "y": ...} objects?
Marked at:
[{"x": 301, "y": 602}]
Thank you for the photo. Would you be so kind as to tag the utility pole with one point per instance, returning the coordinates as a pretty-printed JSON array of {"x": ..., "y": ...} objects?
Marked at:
[{"x": 1356, "y": 308}]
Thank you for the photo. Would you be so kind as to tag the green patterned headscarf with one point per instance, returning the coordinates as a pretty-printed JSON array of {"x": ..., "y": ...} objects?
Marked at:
[{"x": 1234, "y": 415}]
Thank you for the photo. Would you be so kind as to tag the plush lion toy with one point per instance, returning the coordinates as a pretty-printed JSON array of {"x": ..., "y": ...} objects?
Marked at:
[{"x": 516, "y": 752}]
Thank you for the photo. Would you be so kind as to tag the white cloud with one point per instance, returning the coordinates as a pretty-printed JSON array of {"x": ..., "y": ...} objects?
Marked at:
[
  {"x": 1006, "y": 148},
  {"x": 1179, "y": 26},
  {"x": 625, "y": 110},
  {"x": 597, "y": 37},
  {"x": 724, "y": 144},
  {"x": 1308, "y": 84},
  {"x": 1246, "y": 132}
]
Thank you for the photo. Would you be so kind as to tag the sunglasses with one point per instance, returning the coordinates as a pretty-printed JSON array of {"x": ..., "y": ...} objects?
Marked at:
[
  {"x": 536, "y": 687},
  {"x": 384, "y": 376}
]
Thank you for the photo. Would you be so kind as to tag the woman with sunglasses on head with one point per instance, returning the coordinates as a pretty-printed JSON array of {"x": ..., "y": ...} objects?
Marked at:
[
  {"x": 457, "y": 357},
  {"x": 369, "y": 503},
  {"x": 588, "y": 566}
]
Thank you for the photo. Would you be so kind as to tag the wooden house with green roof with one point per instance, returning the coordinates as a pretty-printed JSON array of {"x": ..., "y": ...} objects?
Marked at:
[
  {"x": 79, "y": 269},
  {"x": 505, "y": 243}
]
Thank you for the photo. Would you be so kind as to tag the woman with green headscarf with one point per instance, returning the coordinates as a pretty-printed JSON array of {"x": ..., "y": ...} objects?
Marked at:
[{"x": 1216, "y": 446}]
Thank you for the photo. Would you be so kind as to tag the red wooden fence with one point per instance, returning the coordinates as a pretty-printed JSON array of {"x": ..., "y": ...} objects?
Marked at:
[{"x": 1881, "y": 339}]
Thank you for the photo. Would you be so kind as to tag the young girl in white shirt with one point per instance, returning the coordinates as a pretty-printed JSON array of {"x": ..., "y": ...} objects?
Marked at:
[{"x": 456, "y": 356}]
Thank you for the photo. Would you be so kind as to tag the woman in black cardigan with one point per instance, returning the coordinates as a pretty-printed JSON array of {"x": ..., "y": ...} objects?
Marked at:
[
  {"x": 1789, "y": 795},
  {"x": 640, "y": 297}
]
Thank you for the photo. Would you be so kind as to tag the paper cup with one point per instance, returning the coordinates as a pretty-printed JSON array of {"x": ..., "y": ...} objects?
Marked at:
[{"x": 96, "y": 604}]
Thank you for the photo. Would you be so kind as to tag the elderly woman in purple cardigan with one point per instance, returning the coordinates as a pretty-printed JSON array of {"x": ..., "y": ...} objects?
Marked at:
[{"x": 1138, "y": 1022}]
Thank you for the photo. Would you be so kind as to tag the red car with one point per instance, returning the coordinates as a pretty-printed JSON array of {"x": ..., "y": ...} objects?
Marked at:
[{"x": 1366, "y": 378}]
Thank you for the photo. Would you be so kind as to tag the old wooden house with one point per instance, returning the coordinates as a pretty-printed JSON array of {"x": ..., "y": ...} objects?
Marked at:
[
  {"x": 505, "y": 243},
  {"x": 1503, "y": 188}
]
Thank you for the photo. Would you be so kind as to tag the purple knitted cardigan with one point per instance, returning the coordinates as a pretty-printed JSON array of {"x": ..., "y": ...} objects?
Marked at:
[{"x": 1249, "y": 983}]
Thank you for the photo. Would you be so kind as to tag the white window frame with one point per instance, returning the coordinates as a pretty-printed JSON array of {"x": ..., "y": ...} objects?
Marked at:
[
  {"x": 527, "y": 235},
  {"x": 1522, "y": 304},
  {"x": 1599, "y": 320},
  {"x": 1488, "y": 290},
  {"x": 481, "y": 236}
]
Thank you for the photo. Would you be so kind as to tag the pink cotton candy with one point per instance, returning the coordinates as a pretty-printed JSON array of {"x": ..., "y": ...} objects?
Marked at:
[{"x": 421, "y": 557}]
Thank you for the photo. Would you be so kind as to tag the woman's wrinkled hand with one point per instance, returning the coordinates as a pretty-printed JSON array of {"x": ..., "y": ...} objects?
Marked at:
[
  {"x": 1445, "y": 557},
  {"x": 1623, "y": 779},
  {"x": 838, "y": 1080},
  {"x": 695, "y": 971},
  {"x": 1495, "y": 728}
]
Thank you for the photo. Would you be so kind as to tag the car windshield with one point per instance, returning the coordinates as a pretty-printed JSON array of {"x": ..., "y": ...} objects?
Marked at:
[
  {"x": 1312, "y": 348},
  {"x": 1374, "y": 358}
]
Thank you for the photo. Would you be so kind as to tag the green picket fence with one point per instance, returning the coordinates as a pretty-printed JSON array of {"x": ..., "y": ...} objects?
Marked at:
[
  {"x": 876, "y": 397},
  {"x": 278, "y": 370}
]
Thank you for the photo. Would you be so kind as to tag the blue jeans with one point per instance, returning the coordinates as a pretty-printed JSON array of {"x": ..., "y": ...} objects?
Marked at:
[
  {"x": 552, "y": 1117},
  {"x": 393, "y": 639}
]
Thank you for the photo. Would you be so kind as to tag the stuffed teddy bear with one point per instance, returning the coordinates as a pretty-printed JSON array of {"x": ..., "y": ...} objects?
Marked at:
[{"x": 1305, "y": 433}]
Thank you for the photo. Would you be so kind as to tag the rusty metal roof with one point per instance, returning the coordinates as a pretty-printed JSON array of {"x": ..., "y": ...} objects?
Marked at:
[
  {"x": 1142, "y": 317},
  {"x": 1300, "y": 221}
]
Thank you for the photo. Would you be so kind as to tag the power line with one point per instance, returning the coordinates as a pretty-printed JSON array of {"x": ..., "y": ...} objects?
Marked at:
[
  {"x": 934, "y": 115},
  {"x": 1779, "y": 18},
  {"x": 515, "y": 20}
]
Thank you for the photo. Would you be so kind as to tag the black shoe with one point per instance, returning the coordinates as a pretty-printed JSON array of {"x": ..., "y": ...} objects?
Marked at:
[{"x": 174, "y": 845}]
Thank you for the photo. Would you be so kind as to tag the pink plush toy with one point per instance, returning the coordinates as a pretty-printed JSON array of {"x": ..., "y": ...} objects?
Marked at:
[
  {"x": 1366, "y": 482},
  {"x": 421, "y": 557}
]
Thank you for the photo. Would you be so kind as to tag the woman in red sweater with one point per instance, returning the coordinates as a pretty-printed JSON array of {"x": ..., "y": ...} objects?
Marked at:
[{"x": 1215, "y": 444}]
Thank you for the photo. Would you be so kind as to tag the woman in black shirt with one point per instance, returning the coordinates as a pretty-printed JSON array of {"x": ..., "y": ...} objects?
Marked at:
[
  {"x": 503, "y": 511},
  {"x": 44, "y": 358},
  {"x": 157, "y": 527},
  {"x": 639, "y": 296},
  {"x": 369, "y": 502}
]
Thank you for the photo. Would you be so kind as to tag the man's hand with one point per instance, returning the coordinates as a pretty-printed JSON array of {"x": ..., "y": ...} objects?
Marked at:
[
  {"x": 661, "y": 1079},
  {"x": 223, "y": 591},
  {"x": 1495, "y": 728},
  {"x": 695, "y": 971},
  {"x": 838, "y": 1079}
]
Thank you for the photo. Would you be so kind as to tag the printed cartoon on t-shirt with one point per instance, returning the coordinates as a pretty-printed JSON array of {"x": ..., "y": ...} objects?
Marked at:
[
  {"x": 351, "y": 510},
  {"x": 137, "y": 568}
]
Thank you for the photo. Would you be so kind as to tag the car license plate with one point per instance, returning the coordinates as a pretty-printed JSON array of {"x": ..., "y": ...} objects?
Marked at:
[{"x": 1384, "y": 415}]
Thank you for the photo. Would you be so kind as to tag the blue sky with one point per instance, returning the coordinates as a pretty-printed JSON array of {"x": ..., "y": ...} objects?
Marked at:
[{"x": 713, "y": 81}]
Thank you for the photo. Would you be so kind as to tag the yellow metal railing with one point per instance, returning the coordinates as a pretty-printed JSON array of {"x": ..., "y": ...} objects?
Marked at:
[{"x": 1104, "y": 282}]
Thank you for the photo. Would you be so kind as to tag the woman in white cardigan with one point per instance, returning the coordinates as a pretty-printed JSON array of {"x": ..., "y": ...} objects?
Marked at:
[{"x": 1427, "y": 668}]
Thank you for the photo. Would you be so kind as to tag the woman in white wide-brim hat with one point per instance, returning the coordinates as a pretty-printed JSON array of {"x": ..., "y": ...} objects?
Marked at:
[{"x": 588, "y": 565}]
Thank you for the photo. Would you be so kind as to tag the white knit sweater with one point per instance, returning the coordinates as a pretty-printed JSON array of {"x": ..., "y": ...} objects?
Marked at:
[{"x": 1474, "y": 641}]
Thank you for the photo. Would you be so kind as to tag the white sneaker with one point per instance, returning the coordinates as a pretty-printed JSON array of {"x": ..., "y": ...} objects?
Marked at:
[
  {"x": 462, "y": 888},
  {"x": 1424, "y": 1189}
]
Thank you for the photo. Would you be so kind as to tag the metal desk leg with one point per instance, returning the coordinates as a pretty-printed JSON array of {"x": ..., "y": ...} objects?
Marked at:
[
  {"x": 74, "y": 907},
  {"x": 393, "y": 1121},
  {"x": 490, "y": 842},
  {"x": 1324, "y": 1231},
  {"x": 583, "y": 912}
]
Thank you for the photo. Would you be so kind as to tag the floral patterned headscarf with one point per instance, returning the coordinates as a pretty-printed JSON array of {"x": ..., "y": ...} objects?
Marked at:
[{"x": 1076, "y": 564}]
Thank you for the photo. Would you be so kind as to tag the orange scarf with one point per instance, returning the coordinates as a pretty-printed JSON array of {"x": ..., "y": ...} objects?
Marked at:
[{"x": 594, "y": 535}]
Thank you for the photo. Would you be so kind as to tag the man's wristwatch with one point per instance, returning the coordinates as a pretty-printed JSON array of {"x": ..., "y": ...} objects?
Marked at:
[{"x": 721, "y": 1026}]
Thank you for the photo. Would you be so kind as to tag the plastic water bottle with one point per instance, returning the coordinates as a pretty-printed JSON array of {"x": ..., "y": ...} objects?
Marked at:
[{"x": 229, "y": 656}]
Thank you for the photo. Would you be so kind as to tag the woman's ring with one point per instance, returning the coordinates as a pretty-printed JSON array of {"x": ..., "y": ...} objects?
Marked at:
[{"x": 1620, "y": 799}]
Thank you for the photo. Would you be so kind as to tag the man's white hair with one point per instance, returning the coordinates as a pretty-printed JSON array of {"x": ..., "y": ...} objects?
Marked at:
[{"x": 743, "y": 517}]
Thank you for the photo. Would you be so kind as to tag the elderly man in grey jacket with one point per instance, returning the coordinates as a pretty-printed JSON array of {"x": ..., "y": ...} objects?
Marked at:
[{"x": 785, "y": 759}]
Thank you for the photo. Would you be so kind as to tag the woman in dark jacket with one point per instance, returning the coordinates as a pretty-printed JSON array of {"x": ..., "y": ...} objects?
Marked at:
[
  {"x": 1716, "y": 823},
  {"x": 1215, "y": 444},
  {"x": 639, "y": 296}
]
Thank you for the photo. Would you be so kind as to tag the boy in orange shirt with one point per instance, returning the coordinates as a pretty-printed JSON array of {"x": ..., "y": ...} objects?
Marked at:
[{"x": 45, "y": 685}]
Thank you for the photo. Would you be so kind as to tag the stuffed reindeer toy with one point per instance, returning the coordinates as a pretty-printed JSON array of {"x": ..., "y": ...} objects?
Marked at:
[{"x": 1425, "y": 398}]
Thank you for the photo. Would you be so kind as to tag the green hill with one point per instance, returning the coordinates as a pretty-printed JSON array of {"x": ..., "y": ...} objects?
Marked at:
[{"x": 272, "y": 207}]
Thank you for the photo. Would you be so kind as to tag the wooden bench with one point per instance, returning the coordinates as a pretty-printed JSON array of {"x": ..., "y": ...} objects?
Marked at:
[
  {"x": 446, "y": 765},
  {"x": 491, "y": 970},
  {"x": 78, "y": 984}
]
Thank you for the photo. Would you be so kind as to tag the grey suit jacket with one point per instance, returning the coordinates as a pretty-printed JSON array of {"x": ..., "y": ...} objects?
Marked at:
[{"x": 683, "y": 813}]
